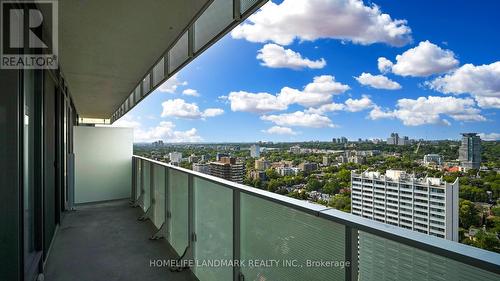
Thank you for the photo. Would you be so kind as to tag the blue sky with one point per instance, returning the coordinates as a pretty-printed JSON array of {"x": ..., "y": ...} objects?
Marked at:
[{"x": 431, "y": 70}]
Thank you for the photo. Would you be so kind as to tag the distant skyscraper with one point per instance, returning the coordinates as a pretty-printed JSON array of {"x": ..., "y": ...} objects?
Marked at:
[
  {"x": 255, "y": 151},
  {"x": 470, "y": 151},
  {"x": 393, "y": 139}
]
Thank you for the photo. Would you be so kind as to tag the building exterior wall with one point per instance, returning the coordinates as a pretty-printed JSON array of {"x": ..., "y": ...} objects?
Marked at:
[{"x": 422, "y": 206}]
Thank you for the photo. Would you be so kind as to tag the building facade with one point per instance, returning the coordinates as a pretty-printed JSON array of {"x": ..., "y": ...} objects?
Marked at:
[
  {"x": 433, "y": 159},
  {"x": 175, "y": 157},
  {"x": 427, "y": 205},
  {"x": 469, "y": 153},
  {"x": 255, "y": 151},
  {"x": 201, "y": 168},
  {"x": 228, "y": 168}
]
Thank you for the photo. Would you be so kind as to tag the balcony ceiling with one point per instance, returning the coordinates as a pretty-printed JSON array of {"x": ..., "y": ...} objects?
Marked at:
[{"x": 105, "y": 47}]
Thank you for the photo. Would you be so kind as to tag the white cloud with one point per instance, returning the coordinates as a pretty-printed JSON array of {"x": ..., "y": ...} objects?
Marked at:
[
  {"x": 164, "y": 131},
  {"x": 430, "y": 110},
  {"x": 171, "y": 85},
  {"x": 308, "y": 20},
  {"x": 377, "y": 81},
  {"x": 275, "y": 56},
  {"x": 316, "y": 93},
  {"x": 126, "y": 121},
  {"x": 356, "y": 105},
  {"x": 490, "y": 136},
  {"x": 299, "y": 119},
  {"x": 212, "y": 112},
  {"x": 191, "y": 92},
  {"x": 257, "y": 103},
  {"x": 384, "y": 65},
  {"x": 482, "y": 82},
  {"x": 330, "y": 107},
  {"x": 181, "y": 109},
  {"x": 277, "y": 130},
  {"x": 423, "y": 60}
]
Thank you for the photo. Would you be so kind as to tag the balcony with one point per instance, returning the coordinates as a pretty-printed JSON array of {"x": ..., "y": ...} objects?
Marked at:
[{"x": 205, "y": 219}]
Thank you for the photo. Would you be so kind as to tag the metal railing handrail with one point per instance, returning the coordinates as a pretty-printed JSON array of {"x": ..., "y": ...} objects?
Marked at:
[{"x": 486, "y": 260}]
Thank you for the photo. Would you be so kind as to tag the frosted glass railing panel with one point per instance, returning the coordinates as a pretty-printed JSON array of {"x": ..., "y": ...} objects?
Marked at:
[
  {"x": 159, "y": 193},
  {"x": 383, "y": 259},
  {"x": 146, "y": 84},
  {"x": 138, "y": 168},
  {"x": 214, "y": 229},
  {"x": 146, "y": 185},
  {"x": 158, "y": 72},
  {"x": 215, "y": 18},
  {"x": 270, "y": 231},
  {"x": 137, "y": 94},
  {"x": 247, "y": 4},
  {"x": 179, "y": 53},
  {"x": 178, "y": 202}
]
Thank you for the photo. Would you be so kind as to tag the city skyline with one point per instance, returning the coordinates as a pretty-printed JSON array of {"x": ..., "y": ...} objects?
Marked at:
[{"x": 309, "y": 85}]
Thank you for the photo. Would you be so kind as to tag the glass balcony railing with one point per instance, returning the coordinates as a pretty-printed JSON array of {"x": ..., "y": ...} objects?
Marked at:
[{"x": 228, "y": 231}]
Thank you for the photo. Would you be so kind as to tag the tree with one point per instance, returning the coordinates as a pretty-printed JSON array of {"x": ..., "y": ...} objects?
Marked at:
[
  {"x": 313, "y": 185},
  {"x": 468, "y": 214},
  {"x": 341, "y": 202},
  {"x": 486, "y": 240},
  {"x": 331, "y": 188},
  {"x": 272, "y": 174}
]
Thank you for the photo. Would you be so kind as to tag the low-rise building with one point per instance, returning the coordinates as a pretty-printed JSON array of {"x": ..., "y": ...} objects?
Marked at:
[
  {"x": 201, "y": 167},
  {"x": 433, "y": 159},
  {"x": 262, "y": 164}
]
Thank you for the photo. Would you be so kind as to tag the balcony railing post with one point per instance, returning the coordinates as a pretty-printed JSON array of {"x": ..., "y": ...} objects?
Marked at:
[
  {"x": 351, "y": 253},
  {"x": 236, "y": 234}
]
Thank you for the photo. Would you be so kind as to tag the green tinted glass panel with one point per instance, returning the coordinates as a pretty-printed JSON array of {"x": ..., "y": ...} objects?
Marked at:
[
  {"x": 296, "y": 240},
  {"x": 146, "y": 202},
  {"x": 159, "y": 195},
  {"x": 214, "y": 229},
  {"x": 383, "y": 259},
  {"x": 138, "y": 179},
  {"x": 178, "y": 201}
]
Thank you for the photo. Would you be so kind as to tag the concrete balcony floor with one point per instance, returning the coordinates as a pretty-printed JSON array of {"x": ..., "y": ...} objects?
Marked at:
[{"x": 105, "y": 241}]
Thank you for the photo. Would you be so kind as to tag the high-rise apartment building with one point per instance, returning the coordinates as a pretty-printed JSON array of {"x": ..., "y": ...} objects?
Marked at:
[
  {"x": 427, "y": 205},
  {"x": 470, "y": 151},
  {"x": 255, "y": 151},
  {"x": 175, "y": 157},
  {"x": 395, "y": 139},
  {"x": 228, "y": 168}
]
